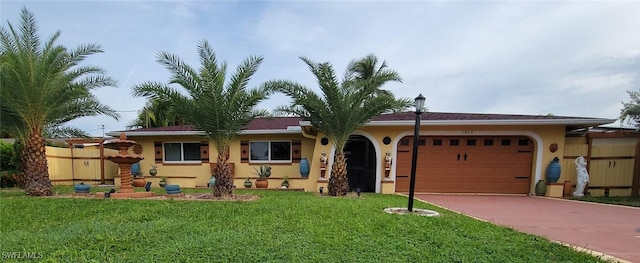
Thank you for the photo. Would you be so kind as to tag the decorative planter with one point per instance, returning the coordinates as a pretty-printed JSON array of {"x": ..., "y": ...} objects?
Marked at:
[
  {"x": 247, "y": 184},
  {"x": 135, "y": 168},
  {"x": 172, "y": 189},
  {"x": 304, "y": 167},
  {"x": 162, "y": 183},
  {"x": 285, "y": 184},
  {"x": 81, "y": 188},
  {"x": 262, "y": 183},
  {"x": 153, "y": 172},
  {"x": 554, "y": 170},
  {"x": 139, "y": 182},
  {"x": 541, "y": 188}
]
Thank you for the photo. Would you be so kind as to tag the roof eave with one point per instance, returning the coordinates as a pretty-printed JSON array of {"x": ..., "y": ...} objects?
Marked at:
[
  {"x": 273, "y": 131},
  {"x": 201, "y": 133},
  {"x": 158, "y": 133},
  {"x": 493, "y": 122}
]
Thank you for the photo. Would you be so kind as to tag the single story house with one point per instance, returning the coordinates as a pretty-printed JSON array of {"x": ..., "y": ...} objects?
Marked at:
[{"x": 458, "y": 152}]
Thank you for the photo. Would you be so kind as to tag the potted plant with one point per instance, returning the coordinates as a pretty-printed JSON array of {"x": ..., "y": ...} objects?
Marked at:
[
  {"x": 163, "y": 182},
  {"x": 82, "y": 188},
  {"x": 154, "y": 170},
  {"x": 247, "y": 183},
  {"x": 263, "y": 175},
  {"x": 285, "y": 183},
  {"x": 138, "y": 180}
]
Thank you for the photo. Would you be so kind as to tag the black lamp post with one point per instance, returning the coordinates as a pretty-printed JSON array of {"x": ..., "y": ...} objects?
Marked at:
[{"x": 419, "y": 103}]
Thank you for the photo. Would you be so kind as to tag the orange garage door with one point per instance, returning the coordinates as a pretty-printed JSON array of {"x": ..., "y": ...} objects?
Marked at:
[{"x": 467, "y": 164}]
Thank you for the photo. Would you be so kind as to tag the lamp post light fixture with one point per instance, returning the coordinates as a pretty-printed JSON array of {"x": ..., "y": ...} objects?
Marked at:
[{"x": 419, "y": 104}]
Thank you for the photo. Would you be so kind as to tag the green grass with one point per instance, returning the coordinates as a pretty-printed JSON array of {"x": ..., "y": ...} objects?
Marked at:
[
  {"x": 626, "y": 200},
  {"x": 279, "y": 227}
]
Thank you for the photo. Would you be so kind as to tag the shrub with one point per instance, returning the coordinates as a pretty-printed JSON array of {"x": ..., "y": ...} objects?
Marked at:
[
  {"x": 7, "y": 179},
  {"x": 7, "y": 157}
]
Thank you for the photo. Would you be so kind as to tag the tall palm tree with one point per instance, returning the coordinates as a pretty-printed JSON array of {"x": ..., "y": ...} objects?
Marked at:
[
  {"x": 220, "y": 110},
  {"x": 369, "y": 69},
  {"x": 41, "y": 88},
  {"x": 156, "y": 113},
  {"x": 342, "y": 108}
]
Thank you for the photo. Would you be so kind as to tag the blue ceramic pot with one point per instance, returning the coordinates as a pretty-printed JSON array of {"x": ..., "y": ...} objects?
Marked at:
[
  {"x": 172, "y": 187},
  {"x": 304, "y": 167},
  {"x": 553, "y": 171},
  {"x": 81, "y": 188}
]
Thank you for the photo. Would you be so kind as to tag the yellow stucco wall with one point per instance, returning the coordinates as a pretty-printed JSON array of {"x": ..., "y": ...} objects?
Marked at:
[
  {"x": 542, "y": 136},
  {"x": 197, "y": 175},
  {"x": 202, "y": 172}
]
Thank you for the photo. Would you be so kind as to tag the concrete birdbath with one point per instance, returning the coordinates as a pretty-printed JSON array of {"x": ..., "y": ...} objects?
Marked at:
[{"x": 124, "y": 159}]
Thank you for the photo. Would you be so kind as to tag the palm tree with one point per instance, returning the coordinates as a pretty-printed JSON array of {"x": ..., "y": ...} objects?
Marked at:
[
  {"x": 368, "y": 69},
  {"x": 631, "y": 110},
  {"x": 156, "y": 113},
  {"x": 340, "y": 110},
  {"x": 42, "y": 87},
  {"x": 220, "y": 110}
]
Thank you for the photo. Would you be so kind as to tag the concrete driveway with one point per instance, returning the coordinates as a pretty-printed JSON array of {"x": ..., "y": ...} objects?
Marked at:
[{"x": 608, "y": 229}]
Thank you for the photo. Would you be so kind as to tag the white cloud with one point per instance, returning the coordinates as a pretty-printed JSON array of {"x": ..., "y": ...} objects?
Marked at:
[{"x": 565, "y": 58}]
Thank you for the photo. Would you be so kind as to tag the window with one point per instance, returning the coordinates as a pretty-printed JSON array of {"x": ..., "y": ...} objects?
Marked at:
[
  {"x": 437, "y": 142},
  {"x": 488, "y": 142},
  {"x": 454, "y": 142},
  {"x": 471, "y": 142},
  {"x": 182, "y": 152},
  {"x": 505, "y": 142},
  {"x": 270, "y": 151}
]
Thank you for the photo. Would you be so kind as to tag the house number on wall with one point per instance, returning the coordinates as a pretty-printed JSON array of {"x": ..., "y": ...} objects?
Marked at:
[{"x": 468, "y": 132}]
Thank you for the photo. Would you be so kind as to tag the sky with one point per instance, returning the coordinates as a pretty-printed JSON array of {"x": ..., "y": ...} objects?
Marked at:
[{"x": 567, "y": 58}]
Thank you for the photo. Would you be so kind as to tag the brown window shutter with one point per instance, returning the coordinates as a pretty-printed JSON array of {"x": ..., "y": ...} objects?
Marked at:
[
  {"x": 158, "y": 151},
  {"x": 296, "y": 151},
  {"x": 204, "y": 152},
  {"x": 244, "y": 151}
]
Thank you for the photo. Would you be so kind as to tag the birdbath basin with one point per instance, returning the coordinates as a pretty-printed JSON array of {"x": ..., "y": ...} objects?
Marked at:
[{"x": 124, "y": 159}]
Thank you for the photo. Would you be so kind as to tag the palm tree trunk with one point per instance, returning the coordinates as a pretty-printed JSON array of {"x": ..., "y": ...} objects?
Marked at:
[
  {"x": 339, "y": 183},
  {"x": 34, "y": 166},
  {"x": 224, "y": 181}
]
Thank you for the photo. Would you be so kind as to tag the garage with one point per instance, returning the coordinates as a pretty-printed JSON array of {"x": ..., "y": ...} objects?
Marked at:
[{"x": 467, "y": 164}]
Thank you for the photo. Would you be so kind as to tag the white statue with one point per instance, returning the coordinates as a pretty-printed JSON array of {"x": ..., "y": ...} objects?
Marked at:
[{"x": 582, "y": 176}]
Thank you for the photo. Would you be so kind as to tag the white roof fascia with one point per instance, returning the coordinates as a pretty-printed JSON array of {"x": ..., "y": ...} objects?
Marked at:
[
  {"x": 201, "y": 133},
  {"x": 278, "y": 131},
  {"x": 494, "y": 122},
  {"x": 157, "y": 133}
]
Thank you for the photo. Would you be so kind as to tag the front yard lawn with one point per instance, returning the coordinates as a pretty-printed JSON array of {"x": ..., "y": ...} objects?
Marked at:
[{"x": 279, "y": 227}]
